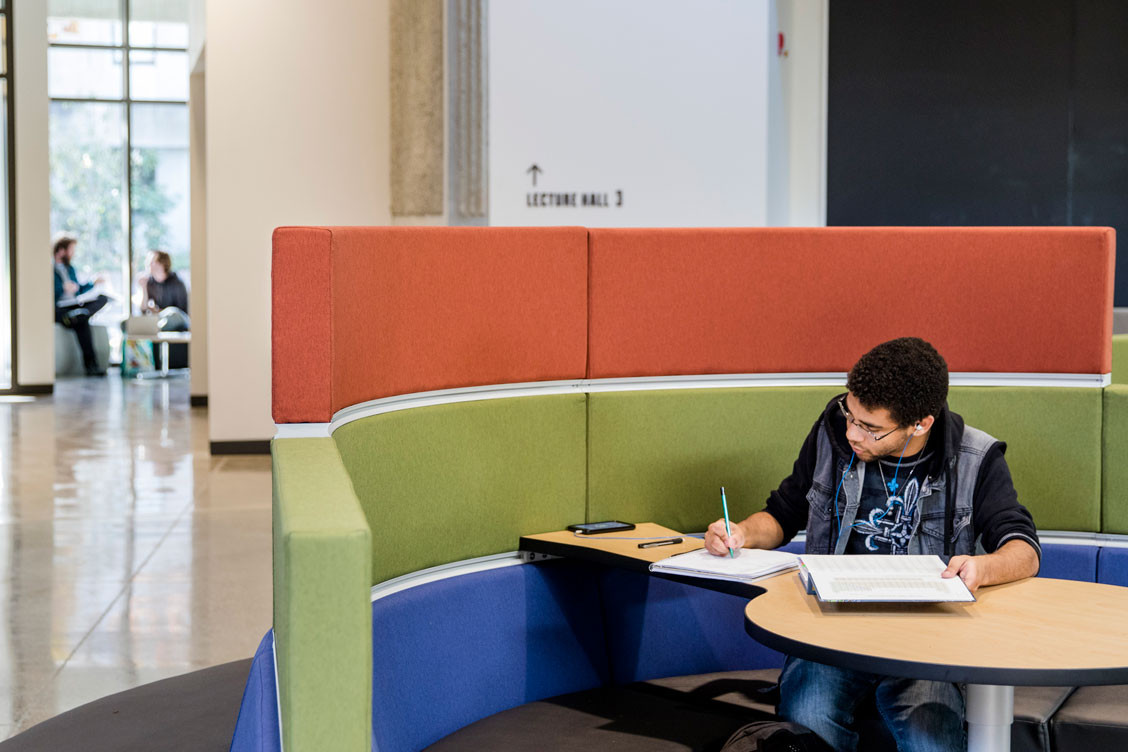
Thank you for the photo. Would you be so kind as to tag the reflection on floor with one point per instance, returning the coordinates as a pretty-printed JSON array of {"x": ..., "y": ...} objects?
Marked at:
[{"x": 127, "y": 553}]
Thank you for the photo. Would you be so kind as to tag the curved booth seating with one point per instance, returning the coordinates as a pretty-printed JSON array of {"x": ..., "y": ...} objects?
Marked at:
[
  {"x": 679, "y": 674},
  {"x": 458, "y": 388},
  {"x": 559, "y": 655}
]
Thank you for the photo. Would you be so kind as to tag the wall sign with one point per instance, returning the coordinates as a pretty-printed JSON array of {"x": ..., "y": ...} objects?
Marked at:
[
  {"x": 569, "y": 199},
  {"x": 629, "y": 113}
]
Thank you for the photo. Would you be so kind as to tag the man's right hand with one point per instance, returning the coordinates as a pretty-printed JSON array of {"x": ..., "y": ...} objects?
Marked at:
[
  {"x": 717, "y": 542},
  {"x": 70, "y": 288}
]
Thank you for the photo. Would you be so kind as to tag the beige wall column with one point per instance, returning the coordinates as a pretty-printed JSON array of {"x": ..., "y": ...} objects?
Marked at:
[
  {"x": 35, "y": 295},
  {"x": 779, "y": 137},
  {"x": 197, "y": 155},
  {"x": 803, "y": 70},
  {"x": 298, "y": 119}
]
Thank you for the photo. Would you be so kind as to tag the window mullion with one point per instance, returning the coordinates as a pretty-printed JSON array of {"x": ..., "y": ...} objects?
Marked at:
[{"x": 128, "y": 288}]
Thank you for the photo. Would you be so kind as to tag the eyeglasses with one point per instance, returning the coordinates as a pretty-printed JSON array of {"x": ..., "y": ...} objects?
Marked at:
[{"x": 850, "y": 419}]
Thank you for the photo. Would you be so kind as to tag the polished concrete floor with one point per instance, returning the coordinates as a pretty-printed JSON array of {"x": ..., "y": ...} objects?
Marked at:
[{"x": 127, "y": 552}]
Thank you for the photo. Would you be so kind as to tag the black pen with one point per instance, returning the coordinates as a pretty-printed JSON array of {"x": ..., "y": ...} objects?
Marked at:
[{"x": 655, "y": 544}]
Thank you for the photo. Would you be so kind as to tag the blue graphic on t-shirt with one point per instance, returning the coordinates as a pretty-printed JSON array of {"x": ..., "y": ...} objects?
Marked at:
[{"x": 893, "y": 524}]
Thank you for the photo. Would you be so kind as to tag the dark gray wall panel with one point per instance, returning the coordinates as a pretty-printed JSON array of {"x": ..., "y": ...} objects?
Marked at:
[{"x": 973, "y": 112}]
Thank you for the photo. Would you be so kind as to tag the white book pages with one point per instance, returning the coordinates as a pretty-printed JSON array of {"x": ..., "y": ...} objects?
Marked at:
[
  {"x": 749, "y": 564},
  {"x": 880, "y": 578},
  {"x": 82, "y": 299}
]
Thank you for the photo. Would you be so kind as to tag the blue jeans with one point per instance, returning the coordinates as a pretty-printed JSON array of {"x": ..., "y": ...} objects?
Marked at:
[{"x": 923, "y": 716}]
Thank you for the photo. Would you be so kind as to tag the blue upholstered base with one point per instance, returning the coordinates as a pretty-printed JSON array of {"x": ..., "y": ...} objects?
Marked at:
[
  {"x": 450, "y": 652},
  {"x": 456, "y": 650},
  {"x": 1068, "y": 562},
  {"x": 1112, "y": 566},
  {"x": 256, "y": 729}
]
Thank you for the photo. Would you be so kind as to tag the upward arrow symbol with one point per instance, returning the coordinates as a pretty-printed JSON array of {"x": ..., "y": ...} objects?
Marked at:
[{"x": 534, "y": 170}]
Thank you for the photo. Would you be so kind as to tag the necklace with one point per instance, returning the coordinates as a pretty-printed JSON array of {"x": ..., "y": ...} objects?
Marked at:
[{"x": 892, "y": 485}]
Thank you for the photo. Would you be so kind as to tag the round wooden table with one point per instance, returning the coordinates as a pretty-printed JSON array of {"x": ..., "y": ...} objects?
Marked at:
[{"x": 1036, "y": 631}]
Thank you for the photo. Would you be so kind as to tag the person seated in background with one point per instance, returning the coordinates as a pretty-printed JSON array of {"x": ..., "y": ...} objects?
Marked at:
[
  {"x": 161, "y": 287},
  {"x": 76, "y": 302},
  {"x": 164, "y": 293}
]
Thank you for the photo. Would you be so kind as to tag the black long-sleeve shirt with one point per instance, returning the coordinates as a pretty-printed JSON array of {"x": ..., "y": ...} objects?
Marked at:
[
  {"x": 171, "y": 292},
  {"x": 997, "y": 515}
]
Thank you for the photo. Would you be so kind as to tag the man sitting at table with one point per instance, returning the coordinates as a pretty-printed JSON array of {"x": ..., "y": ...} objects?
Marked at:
[{"x": 889, "y": 469}]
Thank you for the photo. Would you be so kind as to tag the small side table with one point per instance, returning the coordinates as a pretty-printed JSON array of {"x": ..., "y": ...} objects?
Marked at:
[{"x": 164, "y": 339}]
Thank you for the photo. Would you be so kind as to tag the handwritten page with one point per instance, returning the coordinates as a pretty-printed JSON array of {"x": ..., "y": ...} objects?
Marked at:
[
  {"x": 877, "y": 578},
  {"x": 749, "y": 564}
]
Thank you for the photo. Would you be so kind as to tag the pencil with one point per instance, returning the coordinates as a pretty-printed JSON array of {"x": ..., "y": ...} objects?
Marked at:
[{"x": 728, "y": 530}]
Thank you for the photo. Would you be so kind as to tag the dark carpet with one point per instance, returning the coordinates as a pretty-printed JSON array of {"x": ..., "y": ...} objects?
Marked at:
[{"x": 196, "y": 712}]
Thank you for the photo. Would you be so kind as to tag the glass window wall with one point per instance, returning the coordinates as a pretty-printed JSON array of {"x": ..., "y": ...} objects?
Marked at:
[
  {"x": 87, "y": 142},
  {"x": 118, "y": 81},
  {"x": 159, "y": 166},
  {"x": 96, "y": 22}
]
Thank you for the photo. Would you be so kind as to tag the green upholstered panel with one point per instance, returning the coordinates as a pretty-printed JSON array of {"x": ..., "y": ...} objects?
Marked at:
[
  {"x": 1053, "y": 438},
  {"x": 322, "y": 606},
  {"x": 1114, "y": 490},
  {"x": 1120, "y": 359},
  {"x": 451, "y": 482},
  {"x": 661, "y": 456}
]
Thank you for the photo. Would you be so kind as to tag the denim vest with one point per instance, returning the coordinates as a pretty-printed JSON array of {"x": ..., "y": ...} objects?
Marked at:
[{"x": 957, "y": 479}]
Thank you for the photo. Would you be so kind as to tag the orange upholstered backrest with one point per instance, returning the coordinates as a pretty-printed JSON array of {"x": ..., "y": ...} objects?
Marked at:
[
  {"x": 300, "y": 343},
  {"x": 700, "y": 301},
  {"x": 365, "y": 313},
  {"x": 362, "y": 313}
]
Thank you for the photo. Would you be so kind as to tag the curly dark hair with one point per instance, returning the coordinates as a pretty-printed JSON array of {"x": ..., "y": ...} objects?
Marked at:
[{"x": 905, "y": 376}]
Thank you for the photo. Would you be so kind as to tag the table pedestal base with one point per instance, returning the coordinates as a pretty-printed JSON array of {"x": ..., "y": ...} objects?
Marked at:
[{"x": 990, "y": 712}]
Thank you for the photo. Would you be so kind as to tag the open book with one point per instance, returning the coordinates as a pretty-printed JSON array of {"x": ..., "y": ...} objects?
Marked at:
[
  {"x": 880, "y": 579},
  {"x": 749, "y": 564},
  {"x": 81, "y": 299}
]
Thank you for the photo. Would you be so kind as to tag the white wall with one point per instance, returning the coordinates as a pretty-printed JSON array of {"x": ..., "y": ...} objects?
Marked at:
[
  {"x": 35, "y": 305},
  {"x": 298, "y": 133},
  {"x": 690, "y": 108},
  {"x": 664, "y": 100},
  {"x": 297, "y": 115}
]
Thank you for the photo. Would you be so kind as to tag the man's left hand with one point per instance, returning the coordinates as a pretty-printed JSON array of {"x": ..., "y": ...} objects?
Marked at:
[
  {"x": 1013, "y": 560},
  {"x": 967, "y": 567}
]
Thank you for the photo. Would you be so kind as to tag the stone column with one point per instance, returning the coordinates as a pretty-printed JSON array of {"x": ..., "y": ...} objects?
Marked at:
[
  {"x": 417, "y": 171},
  {"x": 439, "y": 112}
]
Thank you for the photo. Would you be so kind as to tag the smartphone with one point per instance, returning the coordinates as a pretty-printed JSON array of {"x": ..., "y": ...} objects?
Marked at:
[{"x": 592, "y": 528}]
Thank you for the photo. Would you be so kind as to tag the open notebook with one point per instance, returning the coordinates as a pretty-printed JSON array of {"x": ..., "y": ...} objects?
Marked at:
[
  {"x": 749, "y": 564},
  {"x": 880, "y": 579}
]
